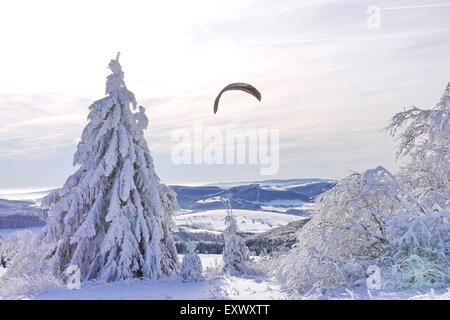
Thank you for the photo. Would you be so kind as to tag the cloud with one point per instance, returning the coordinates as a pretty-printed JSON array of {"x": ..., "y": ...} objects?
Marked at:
[
  {"x": 328, "y": 82},
  {"x": 33, "y": 123}
]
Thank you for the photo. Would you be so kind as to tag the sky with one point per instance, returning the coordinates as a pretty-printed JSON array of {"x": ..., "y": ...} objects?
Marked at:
[{"x": 329, "y": 83}]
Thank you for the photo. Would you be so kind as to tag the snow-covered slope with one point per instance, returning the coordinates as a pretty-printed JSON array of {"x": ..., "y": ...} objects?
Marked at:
[
  {"x": 24, "y": 195},
  {"x": 276, "y": 239},
  {"x": 249, "y": 221},
  {"x": 289, "y": 196},
  {"x": 5, "y": 233},
  {"x": 20, "y": 214}
]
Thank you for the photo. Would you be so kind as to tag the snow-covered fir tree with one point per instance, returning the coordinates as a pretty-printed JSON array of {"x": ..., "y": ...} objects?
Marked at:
[
  {"x": 235, "y": 253},
  {"x": 112, "y": 218},
  {"x": 191, "y": 267}
]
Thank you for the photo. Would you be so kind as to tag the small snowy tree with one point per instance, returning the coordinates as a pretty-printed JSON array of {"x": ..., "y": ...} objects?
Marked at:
[
  {"x": 113, "y": 217},
  {"x": 345, "y": 235},
  {"x": 235, "y": 252},
  {"x": 191, "y": 267}
]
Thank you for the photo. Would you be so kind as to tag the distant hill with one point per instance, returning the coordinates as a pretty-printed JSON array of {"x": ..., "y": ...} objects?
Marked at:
[
  {"x": 20, "y": 214},
  {"x": 275, "y": 240},
  {"x": 291, "y": 196}
]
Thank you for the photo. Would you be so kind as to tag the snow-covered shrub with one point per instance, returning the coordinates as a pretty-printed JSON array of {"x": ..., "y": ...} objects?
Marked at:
[
  {"x": 16, "y": 247},
  {"x": 346, "y": 234},
  {"x": 235, "y": 253},
  {"x": 27, "y": 272},
  {"x": 399, "y": 223},
  {"x": 420, "y": 241},
  {"x": 420, "y": 248},
  {"x": 214, "y": 269},
  {"x": 113, "y": 217},
  {"x": 3, "y": 253},
  {"x": 417, "y": 272},
  {"x": 191, "y": 267}
]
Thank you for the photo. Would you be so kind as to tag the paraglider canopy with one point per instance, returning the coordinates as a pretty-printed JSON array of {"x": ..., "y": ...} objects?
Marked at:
[{"x": 237, "y": 86}]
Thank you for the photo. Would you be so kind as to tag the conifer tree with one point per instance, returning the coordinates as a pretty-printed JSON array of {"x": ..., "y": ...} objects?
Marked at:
[
  {"x": 191, "y": 267},
  {"x": 235, "y": 253},
  {"x": 113, "y": 217}
]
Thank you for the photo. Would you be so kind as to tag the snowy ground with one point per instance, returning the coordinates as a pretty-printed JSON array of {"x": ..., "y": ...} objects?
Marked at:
[
  {"x": 248, "y": 220},
  {"x": 213, "y": 287},
  {"x": 384, "y": 294}
]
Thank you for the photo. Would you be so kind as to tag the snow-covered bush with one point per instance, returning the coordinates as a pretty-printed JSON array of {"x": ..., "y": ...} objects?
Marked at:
[
  {"x": 420, "y": 241},
  {"x": 3, "y": 253},
  {"x": 113, "y": 217},
  {"x": 346, "y": 234},
  {"x": 419, "y": 249},
  {"x": 27, "y": 272},
  {"x": 191, "y": 267},
  {"x": 399, "y": 223},
  {"x": 235, "y": 253}
]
